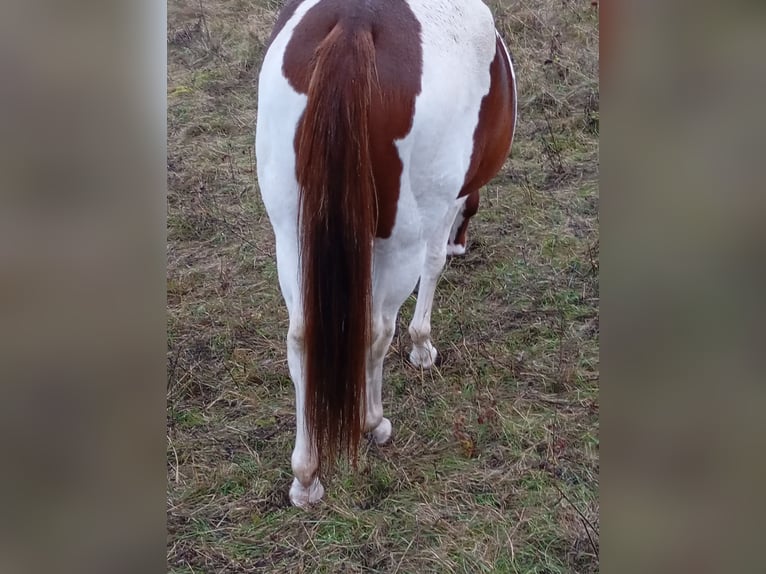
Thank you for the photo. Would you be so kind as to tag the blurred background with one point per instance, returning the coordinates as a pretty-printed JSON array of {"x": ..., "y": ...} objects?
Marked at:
[{"x": 88, "y": 470}]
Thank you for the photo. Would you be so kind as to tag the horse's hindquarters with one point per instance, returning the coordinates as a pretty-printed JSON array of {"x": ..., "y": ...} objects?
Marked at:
[{"x": 368, "y": 115}]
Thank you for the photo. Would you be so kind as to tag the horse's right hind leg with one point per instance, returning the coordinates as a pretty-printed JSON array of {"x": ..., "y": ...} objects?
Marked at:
[
  {"x": 382, "y": 334},
  {"x": 395, "y": 272},
  {"x": 423, "y": 352}
]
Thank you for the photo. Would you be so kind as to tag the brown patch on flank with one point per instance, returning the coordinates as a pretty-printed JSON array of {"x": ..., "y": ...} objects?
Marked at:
[
  {"x": 494, "y": 131},
  {"x": 399, "y": 63}
]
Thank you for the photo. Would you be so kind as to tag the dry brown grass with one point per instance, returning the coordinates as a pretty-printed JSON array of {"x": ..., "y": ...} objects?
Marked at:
[{"x": 494, "y": 467}]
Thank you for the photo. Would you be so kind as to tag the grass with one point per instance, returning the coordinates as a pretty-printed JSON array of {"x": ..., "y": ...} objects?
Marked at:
[{"x": 494, "y": 466}]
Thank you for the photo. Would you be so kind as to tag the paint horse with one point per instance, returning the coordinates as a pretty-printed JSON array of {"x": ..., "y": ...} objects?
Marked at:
[{"x": 378, "y": 123}]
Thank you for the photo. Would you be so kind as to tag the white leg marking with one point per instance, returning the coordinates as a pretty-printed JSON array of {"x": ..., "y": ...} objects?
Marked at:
[
  {"x": 423, "y": 352},
  {"x": 306, "y": 488},
  {"x": 383, "y": 332}
]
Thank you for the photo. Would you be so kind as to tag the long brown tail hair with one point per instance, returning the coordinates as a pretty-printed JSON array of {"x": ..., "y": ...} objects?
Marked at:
[{"x": 337, "y": 225}]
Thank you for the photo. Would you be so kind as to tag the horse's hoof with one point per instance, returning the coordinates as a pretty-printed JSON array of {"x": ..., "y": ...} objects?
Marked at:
[
  {"x": 303, "y": 497},
  {"x": 382, "y": 432},
  {"x": 423, "y": 357},
  {"x": 454, "y": 249}
]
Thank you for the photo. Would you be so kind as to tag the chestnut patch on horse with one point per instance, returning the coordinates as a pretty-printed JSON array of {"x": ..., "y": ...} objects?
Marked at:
[
  {"x": 398, "y": 63},
  {"x": 493, "y": 134}
]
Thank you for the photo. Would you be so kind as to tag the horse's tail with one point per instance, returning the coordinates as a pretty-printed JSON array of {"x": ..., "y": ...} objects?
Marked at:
[{"x": 337, "y": 227}]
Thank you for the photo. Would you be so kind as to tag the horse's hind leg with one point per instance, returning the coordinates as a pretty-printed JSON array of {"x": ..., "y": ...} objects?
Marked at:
[
  {"x": 457, "y": 238},
  {"x": 306, "y": 487},
  {"x": 395, "y": 273},
  {"x": 382, "y": 333},
  {"x": 423, "y": 352}
]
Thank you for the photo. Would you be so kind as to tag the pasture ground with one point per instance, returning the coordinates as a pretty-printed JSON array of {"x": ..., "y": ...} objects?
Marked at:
[{"x": 494, "y": 466}]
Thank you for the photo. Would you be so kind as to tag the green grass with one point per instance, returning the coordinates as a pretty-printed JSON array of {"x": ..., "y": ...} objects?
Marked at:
[{"x": 494, "y": 465}]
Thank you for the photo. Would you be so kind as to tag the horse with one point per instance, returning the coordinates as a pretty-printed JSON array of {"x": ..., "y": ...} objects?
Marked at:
[{"x": 378, "y": 122}]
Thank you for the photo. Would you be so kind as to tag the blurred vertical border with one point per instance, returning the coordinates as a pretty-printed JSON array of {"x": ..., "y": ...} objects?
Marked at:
[
  {"x": 82, "y": 320},
  {"x": 682, "y": 283}
]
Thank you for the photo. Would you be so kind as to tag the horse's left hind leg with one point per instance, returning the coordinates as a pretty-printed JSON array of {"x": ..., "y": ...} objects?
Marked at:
[
  {"x": 306, "y": 488},
  {"x": 423, "y": 352},
  {"x": 457, "y": 239}
]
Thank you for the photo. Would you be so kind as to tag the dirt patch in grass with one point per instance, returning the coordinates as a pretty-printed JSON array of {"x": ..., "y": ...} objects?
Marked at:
[{"x": 494, "y": 466}]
